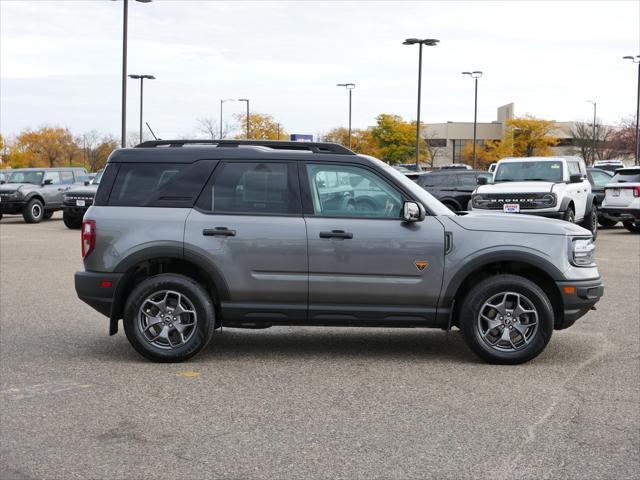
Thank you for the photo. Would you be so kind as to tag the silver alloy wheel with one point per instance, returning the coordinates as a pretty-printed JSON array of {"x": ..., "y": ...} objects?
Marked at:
[
  {"x": 508, "y": 321},
  {"x": 167, "y": 319},
  {"x": 36, "y": 210}
]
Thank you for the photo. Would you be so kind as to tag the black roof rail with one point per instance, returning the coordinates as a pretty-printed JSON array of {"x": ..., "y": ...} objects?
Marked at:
[{"x": 315, "y": 147}]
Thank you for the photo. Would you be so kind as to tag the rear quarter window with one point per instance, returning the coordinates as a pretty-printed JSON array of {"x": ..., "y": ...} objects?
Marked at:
[
  {"x": 158, "y": 184},
  {"x": 627, "y": 176}
]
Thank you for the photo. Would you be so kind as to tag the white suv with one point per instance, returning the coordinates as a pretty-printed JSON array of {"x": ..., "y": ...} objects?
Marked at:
[
  {"x": 622, "y": 198},
  {"x": 555, "y": 187}
]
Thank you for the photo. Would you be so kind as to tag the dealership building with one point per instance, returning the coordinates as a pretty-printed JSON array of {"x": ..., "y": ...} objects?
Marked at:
[{"x": 451, "y": 138}]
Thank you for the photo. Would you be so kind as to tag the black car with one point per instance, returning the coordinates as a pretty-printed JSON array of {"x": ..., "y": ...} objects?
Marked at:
[
  {"x": 598, "y": 179},
  {"x": 76, "y": 201},
  {"x": 453, "y": 187}
]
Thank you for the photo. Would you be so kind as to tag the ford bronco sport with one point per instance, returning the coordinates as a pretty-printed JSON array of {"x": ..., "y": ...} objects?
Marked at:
[
  {"x": 554, "y": 187},
  {"x": 187, "y": 236}
]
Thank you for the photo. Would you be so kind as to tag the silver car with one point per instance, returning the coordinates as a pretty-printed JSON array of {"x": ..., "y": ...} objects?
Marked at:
[{"x": 185, "y": 237}]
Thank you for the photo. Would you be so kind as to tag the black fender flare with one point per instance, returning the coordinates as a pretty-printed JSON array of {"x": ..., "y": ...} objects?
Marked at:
[
  {"x": 488, "y": 258},
  {"x": 565, "y": 204},
  {"x": 30, "y": 196},
  {"x": 452, "y": 201}
]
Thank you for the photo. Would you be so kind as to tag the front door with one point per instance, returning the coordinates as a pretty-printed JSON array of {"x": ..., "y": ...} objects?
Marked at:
[
  {"x": 248, "y": 228},
  {"x": 366, "y": 265}
]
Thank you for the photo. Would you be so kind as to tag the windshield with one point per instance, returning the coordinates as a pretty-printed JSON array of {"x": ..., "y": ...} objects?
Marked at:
[
  {"x": 542, "y": 171},
  {"x": 26, "y": 177},
  {"x": 420, "y": 193}
]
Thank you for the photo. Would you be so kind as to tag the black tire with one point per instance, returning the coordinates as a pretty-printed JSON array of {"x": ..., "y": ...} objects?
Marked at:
[
  {"x": 33, "y": 212},
  {"x": 606, "y": 222},
  {"x": 0, "y": 215},
  {"x": 48, "y": 214},
  {"x": 569, "y": 215},
  {"x": 590, "y": 221},
  {"x": 632, "y": 227},
  {"x": 71, "y": 221},
  {"x": 197, "y": 339},
  {"x": 470, "y": 322},
  {"x": 451, "y": 206}
]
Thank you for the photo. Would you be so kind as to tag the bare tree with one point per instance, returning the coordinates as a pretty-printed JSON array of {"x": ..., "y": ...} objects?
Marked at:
[
  {"x": 434, "y": 147},
  {"x": 582, "y": 134},
  {"x": 211, "y": 128}
]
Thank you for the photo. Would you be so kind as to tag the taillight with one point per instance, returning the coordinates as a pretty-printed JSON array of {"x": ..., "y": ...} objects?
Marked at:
[
  {"x": 636, "y": 191},
  {"x": 88, "y": 237}
]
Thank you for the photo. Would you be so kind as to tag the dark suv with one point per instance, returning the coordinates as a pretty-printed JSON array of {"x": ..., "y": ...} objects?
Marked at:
[
  {"x": 77, "y": 201},
  {"x": 453, "y": 187},
  {"x": 187, "y": 236}
]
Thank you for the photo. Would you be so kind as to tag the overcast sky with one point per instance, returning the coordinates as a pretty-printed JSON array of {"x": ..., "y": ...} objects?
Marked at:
[{"x": 60, "y": 62}]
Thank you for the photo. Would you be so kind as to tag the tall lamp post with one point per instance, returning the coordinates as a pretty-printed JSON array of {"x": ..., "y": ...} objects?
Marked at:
[
  {"x": 246, "y": 100},
  {"x": 430, "y": 42},
  {"x": 222, "y": 100},
  {"x": 141, "y": 78},
  {"x": 637, "y": 60},
  {"x": 593, "y": 145},
  {"x": 475, "y": 75},
  {"x": 350, "y": 87},
  {"x": 125, "y": 18}
]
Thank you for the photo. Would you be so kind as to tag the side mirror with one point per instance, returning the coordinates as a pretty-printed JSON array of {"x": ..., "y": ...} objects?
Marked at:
[
  {"x": 482, "y": 181},
  {"x": 577, "y": 178},
  {"x": 413, "y": 212},
  {"x": 48, "y": 181},
  {"x": 87, "y": 182}
]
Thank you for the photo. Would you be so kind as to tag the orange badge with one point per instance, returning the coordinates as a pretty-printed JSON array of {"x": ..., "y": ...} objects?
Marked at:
[{"x": 421, "y": 264}]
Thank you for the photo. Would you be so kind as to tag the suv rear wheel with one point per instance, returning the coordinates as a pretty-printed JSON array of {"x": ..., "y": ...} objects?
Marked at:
[
  {"x": 569, "y": 215},
  {"x": 72, "y": 221},
  {"x": 169, "y": 318},
  {"x": 33, "y": 212},
  {"x": 506, "y": 319}
]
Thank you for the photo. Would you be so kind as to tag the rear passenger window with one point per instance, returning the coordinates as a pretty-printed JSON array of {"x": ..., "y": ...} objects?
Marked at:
[
  {"x": 160, "y": 184},
  {"x": 251, "y": 188}
]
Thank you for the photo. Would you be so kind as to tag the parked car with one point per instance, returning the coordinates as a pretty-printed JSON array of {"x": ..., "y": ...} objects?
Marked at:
[
  {"x": 554, "y": 187},
  {"x": 77, "y": 200},
  {"x": 36, "y": 193},
  {"x": 608, "y": 165},
  {"x": 452, "y": 187},
  {"x": 598, "y": 179},
  {"x": 622, "y": 198},
  {"x": 181, "y": 241},
  {"x": 3, "y": 176}
]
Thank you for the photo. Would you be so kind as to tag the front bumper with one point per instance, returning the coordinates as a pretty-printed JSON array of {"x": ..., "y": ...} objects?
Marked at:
[
  {"x": 12, "y": 206},
  {"x": 578, "y": 297},
  {"x": 621, "y": 214},
  {"x": 98, "y": 289}
]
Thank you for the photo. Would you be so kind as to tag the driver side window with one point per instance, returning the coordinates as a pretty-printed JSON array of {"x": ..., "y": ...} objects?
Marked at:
[{"x": 350, "y": 191}]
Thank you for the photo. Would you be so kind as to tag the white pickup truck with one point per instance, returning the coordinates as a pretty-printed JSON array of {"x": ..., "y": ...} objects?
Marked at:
[{"x": 555, "y": 187}]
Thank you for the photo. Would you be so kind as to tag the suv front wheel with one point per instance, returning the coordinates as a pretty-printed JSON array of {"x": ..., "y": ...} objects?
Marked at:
[
  {"x": 33, "y": 212},
  {"x": 169, "y": 318},
  {"x": 506, "y": 319}
]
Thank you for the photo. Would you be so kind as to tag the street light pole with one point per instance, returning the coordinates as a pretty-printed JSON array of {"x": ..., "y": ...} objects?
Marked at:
[
  {"x": 637, "y": 60},
  {"x": 593, "y": 146},
  {"x": 141, "y": 78},
  {"x": 350, "y": 87},
  {"x": 222, "y": 100},
  {"x": 125, "y": 20},
  {"x": 430, "y": 42},
  {"x": 246, "y": 100},
  {"x": 475, "y": 75}
]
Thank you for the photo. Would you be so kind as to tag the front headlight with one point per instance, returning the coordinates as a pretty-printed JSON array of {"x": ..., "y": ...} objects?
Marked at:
[
  {"x": 546, "y": 200},
  {"x": 582, "y": 252}
]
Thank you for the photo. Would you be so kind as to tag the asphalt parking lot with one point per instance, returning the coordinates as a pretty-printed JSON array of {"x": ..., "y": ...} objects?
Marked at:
[{"x": 289, "y": 403}]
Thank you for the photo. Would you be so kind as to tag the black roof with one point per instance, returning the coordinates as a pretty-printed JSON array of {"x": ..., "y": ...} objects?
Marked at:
[{"x": 188, "y": 151}]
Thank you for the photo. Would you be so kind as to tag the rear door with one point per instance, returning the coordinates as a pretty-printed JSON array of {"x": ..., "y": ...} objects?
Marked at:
[
  {"x": 365, "y": 264},
  {"x": 248, "y": 227}
]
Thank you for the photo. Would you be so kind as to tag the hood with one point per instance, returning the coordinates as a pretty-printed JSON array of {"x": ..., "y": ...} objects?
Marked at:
[
  {"x": 517, "y": 223},
  {"x": 517, "y": 187},
  {"x": 85, "y": 190},
  {"x": 14, "y": 187}
]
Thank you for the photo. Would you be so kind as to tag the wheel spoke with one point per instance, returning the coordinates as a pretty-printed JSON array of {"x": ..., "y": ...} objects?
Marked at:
[
  {"x": 506, "y": 336},
  {"x": 164, "y": 334},
  {"x": 152, "y": 322},
  {"x": 492, "y": 323}
]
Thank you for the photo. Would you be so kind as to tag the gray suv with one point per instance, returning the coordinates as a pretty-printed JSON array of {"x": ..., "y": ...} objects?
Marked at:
[
  {"x": 185, "y": 237},
  {"x": 37, "y": 192}
]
